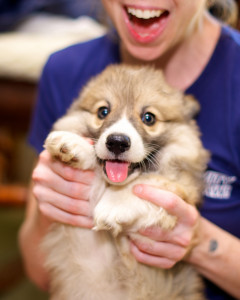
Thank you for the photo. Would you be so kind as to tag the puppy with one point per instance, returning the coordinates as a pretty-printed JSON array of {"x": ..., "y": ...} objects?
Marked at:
[{"x": 143, "y": 132}]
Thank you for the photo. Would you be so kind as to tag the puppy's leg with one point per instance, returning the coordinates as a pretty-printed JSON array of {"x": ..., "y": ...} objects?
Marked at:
[{"x": 71, "y": 148}]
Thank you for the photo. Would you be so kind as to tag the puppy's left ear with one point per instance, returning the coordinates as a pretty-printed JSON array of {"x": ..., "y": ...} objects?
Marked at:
[{"x": 191, "y": 107}]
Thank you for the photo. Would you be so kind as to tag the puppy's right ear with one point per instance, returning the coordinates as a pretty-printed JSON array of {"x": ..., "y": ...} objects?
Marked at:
[{"x": 191, "y": 107}]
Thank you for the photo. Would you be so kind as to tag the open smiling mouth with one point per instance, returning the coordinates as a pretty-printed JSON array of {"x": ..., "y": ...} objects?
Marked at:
[{"x": 145, "y": 25}]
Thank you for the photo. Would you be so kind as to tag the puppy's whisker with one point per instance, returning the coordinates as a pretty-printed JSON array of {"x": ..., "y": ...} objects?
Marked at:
[
  {"x": 143, "y": 166},
  {"x": 153, "y": 161},
  {"x": 150, "y": 154},
  {"x": 149, "y": 148}
]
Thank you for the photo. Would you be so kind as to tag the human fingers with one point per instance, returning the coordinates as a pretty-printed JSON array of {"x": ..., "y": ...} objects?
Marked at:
[
  {"x": 46, "y": 197},
  {"x": 151, "y": 260},
  {"x": 162, "y": 249},
  {"x": 62, "y": 208},
  {"x": 59, "y": 199},
  {"x": 61, "y": 216},
  {"x": 65, "y": 171},
  {"x": 173, "y": 204},
  {"x": 181, "y": 235},
  {"x": 155, "y": 233},
  {"x": 45, "y": 176}
]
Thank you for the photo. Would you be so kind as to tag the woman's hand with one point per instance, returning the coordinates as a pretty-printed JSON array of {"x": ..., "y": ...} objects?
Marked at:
[
  {"x": 62, "y": 192},
  {"x": 165, "y": 248}
]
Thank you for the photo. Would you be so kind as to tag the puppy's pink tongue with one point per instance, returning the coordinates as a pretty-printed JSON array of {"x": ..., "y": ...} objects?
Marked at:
[{"x": 117, "y": 171}]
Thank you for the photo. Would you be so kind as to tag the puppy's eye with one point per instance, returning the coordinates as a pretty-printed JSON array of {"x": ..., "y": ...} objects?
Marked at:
[
  {"x": 148, "y": 119},
  {"x": 103, "y": 112}
]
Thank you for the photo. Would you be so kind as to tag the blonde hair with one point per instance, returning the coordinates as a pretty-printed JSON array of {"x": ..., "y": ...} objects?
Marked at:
[{"x": 225, "y": 10}]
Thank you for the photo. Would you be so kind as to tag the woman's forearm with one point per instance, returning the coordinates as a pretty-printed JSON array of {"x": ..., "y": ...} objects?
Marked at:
[
  {"x": 216, "y": 257},
  {"x": 31, "y": 233}
]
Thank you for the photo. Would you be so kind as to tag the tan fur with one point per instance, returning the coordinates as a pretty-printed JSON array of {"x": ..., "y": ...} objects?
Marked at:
[{"x": 97, "y": 264}]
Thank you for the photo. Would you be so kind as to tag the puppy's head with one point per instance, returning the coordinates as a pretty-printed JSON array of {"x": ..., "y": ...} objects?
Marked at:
[{"x": 129, "y": 112}]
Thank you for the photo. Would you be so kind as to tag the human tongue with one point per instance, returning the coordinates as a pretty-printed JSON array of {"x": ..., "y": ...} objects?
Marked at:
[
  {"x": 117, "y": 171},
  {"x": 147, "y": 28}
]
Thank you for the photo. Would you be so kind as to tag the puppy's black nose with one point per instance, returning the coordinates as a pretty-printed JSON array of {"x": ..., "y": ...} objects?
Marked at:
[{"x": 118, "y": 143}]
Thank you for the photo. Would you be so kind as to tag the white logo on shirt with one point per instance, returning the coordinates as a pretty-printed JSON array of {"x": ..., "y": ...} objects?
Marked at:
[{"x": 218, "y": 185}]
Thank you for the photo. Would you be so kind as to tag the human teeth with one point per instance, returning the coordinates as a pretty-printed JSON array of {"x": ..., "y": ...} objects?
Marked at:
[{"x": 144, "y": 14}]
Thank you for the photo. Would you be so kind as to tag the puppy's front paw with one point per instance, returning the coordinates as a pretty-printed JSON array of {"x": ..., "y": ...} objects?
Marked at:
[
  {"x": 108, "y": 221},
  {"x": 71, "y": 149}
]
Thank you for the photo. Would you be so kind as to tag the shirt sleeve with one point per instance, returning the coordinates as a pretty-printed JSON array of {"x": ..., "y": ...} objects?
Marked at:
[{"x": 45, "y": 111}]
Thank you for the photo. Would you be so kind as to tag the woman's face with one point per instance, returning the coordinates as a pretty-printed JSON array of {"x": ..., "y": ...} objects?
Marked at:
[{"x": 150, "y": 28}]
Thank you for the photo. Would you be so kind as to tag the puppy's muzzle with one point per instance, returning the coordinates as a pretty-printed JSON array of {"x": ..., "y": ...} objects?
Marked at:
[{"x": 118, "y": 143}]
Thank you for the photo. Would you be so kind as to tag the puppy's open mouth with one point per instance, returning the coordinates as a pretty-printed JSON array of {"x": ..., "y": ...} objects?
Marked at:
[{"x": 118, "y": 171}]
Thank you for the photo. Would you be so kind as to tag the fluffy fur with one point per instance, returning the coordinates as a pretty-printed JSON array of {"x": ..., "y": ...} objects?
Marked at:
[{"x": 143, "y": 132}]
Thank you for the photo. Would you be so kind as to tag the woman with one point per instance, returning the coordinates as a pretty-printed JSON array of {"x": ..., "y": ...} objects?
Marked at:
[{"x": 197, "y": 55}]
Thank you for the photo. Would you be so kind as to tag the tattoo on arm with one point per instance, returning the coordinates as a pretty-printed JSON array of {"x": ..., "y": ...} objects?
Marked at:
[{"x": 213, "y": 245}]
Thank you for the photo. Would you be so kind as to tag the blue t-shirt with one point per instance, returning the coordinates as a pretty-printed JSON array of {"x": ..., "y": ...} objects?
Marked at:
[{"x": 217, "y": 90}]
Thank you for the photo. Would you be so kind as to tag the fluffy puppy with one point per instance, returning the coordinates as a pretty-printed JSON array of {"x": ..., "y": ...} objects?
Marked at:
[{"x": 143, "y": 132}]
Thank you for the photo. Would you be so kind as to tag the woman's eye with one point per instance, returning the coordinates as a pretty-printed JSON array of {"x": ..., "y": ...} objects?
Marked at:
[
  {"x": 148, "y": 119},
  {"x": 103, "y": 112}
]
